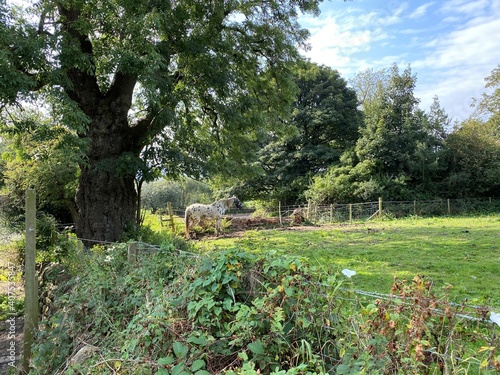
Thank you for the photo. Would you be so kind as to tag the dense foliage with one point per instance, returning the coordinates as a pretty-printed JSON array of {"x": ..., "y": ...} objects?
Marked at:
[
  {"x": 237, "y": 313},
  {"x": 404, "y": 153},
  {"x": 40, "y": 155},
  {"x": 98, "y": 99},
  {"x": 192, "y": 83},
  {"x": 324, "y": 123},
  {"x": 180, "y": 193}
]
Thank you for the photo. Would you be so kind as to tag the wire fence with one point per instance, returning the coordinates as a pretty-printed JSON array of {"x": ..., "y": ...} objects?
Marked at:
[
  {"x": 141, "y": 251},
  {"x": 348, "y": 213},
  {"x": 460, "y": 315}
]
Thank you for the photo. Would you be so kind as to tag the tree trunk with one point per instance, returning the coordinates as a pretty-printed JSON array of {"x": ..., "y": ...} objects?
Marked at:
[
  {"x": 107, "y": 205},
  {"x": 139, "y": 184},
  {"x": 106, "y": 195}
]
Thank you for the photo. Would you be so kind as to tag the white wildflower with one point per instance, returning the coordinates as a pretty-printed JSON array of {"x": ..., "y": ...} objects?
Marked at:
[
  {"x": 108, "y": 258},
  {"x": 349, "y": 273},
  {"x": 495, "y": 317}
]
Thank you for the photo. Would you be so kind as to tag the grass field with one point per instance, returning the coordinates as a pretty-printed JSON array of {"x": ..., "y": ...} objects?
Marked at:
[{"x": 459, "y": 254}]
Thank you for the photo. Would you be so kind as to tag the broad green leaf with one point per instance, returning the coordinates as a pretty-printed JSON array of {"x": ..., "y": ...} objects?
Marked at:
[
  {"x": 243, "y": 356},
  {"x": 166, "y": 360},
  {"x": 178, "y": 369},
  {"x": 256, "y": 347},
  {"x": 180, "y": 350},
  {"x": 198, "y": 365},
  {"x": 197, "y": 340}
]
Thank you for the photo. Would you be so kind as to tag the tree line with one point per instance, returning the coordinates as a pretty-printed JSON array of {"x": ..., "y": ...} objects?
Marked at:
[{"x": 99, "y": 99}]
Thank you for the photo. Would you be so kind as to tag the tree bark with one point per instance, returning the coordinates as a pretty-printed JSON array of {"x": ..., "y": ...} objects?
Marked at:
[
  {"x": 107, "y": 205},
  {"x": 106, "y": 195}
]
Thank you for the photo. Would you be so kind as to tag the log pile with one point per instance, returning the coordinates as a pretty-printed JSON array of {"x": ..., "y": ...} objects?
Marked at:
[{"x": 242, "y": 223}]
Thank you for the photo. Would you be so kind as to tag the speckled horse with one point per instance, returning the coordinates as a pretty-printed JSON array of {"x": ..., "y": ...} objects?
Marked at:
[{"x": 197, "y": 213}]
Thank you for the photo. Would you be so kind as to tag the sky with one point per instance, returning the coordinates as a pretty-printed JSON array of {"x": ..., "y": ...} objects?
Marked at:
[{"x": 450, "y": 45}]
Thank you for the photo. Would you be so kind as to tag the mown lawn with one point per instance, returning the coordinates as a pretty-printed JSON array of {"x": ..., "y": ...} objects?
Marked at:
[{"x": 459, "y": 254}]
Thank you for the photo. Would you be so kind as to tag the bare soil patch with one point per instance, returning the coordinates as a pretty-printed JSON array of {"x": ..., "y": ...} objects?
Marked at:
[{"x": 240, "y": 224}]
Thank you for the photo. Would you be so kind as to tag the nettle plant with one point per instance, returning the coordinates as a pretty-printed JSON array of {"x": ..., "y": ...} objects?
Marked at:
[{"x": 238, "y": 310}]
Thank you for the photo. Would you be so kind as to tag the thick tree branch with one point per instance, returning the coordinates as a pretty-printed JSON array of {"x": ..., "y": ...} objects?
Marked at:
[
  {"x": 139, "y": 131},
  {"x": 121, "y": 91},
  {"x": 83, "y": 88}
]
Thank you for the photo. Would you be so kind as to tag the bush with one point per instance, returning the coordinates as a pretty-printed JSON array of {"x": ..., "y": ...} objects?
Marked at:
[
  {"x": 51, "y": 246},
  {"x": 200, "y": 315},
  {"x": 238, "y": 313}
]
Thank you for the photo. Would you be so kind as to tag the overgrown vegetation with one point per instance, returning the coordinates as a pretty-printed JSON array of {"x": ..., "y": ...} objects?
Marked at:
[{"x": 240, "y": 313}]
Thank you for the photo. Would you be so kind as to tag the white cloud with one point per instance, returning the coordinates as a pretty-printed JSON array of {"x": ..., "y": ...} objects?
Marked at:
[
  {"x": 466, "y": 7},
  {"x": 467, "y": 47},
  {"x": 450, "y": 45},
  {"x": 454, "y": 64},
  {"x": 392, "y": 18},
  {"x": 421, "y": 10},
  {"x": 451, "y": 19},
  {"x": 335, "y": 39}
]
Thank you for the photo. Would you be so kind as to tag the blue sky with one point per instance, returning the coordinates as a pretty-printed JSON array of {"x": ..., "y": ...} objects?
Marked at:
[{"x": 451, "y": 45}]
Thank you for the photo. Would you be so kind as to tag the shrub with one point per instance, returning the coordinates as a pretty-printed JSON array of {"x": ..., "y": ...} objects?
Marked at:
[
  {"x": 197, "y": 315},
  {"x": 238, "y": 313}
]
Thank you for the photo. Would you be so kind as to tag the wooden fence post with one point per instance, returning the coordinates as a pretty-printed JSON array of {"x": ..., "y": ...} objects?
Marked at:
[
  {"x": 449, "y": 207},
  {"x": 379, "y": 207},
  {"x": 279, "y": 212},
  {"x": 170, "y": 213},
  {"x": 132, "y": 253},
  {"x": 350, "y": 213},
  {"x": 331, "y": 213},
  {"x": 31, "y": 283},
  {"x": 415, "y": 207},
  {"x": 80, "y": 249}
]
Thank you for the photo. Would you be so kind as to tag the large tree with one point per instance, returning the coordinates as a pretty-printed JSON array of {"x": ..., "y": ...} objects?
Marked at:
[
  {"x": 391, "y": 126},
  {"x": 397, "y": 151},
  {"x": 324, "y": 122},
  {"x": 473, "y": 148},
  {"x": 368, "y": 84},
  {"x": 488, "y": 106},
  {"x": 473, "y": 156},
  {"x": 196, "y": 79}
]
